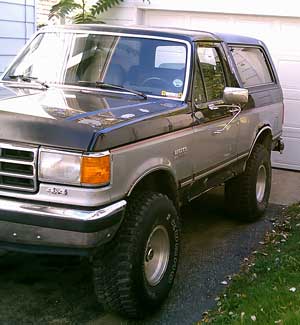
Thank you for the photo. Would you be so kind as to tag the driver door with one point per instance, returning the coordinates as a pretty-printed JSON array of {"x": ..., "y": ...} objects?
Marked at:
[{"x": 215, "y": 130}]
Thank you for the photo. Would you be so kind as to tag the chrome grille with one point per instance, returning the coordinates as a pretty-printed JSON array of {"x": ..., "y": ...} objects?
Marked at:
[{"x": 18, "y": 167}]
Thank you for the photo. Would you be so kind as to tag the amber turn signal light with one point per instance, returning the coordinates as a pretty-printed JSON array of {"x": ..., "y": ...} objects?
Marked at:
[{"x": 95, "y": 170}]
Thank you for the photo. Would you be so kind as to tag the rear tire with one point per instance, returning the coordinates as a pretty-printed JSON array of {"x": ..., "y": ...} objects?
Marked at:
[
  {"x": 135, "y": 272},
  {"x": 247, "y": 195}
]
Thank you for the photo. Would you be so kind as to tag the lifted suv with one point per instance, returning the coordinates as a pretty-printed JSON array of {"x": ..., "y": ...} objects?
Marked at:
[{"x": 107, "y": 131}]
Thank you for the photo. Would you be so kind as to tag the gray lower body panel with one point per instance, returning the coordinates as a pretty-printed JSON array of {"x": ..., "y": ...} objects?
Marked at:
[
  {"x": 34, "y": 235},
  {"x": 32, "y": 224}
]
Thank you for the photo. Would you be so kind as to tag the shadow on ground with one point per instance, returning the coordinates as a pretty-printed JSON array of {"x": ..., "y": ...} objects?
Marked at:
[{"x": 58, "y": 290}]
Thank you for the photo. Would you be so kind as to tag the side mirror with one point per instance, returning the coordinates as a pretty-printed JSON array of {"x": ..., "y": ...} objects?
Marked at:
[{"x": 235, "y": 95}]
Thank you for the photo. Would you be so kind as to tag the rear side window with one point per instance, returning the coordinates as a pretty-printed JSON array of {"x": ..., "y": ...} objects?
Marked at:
[{"x": 252, "y": 66}]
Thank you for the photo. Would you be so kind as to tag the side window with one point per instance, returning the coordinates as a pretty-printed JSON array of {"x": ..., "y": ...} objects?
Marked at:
[
  {"x": 212, "y": 72},
  {"x": 198, "y": 88},
  {"x": 252, "y": 66},
  {"x": 204, "y": 114}
]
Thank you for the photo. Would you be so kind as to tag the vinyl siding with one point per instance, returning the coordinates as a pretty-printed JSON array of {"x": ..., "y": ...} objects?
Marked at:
[
  {"x": 43, "y": 9},
  {"x": 17, "y": 24}
]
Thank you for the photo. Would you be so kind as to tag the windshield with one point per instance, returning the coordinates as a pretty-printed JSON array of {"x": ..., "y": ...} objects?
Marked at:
[{"x": 152, "y": 66}]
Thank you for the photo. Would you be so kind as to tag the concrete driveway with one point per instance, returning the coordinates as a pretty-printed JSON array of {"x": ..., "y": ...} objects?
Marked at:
[{"x": 58, "y": 291}]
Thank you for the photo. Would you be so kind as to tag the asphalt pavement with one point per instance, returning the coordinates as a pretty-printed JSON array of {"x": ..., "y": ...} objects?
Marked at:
[
  {"x": 213, "y": 248},
  {"x": 56, "y": 290}
]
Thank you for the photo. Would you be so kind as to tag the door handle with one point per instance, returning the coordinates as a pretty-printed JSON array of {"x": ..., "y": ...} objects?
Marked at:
[
  {"x": 214, "y": 107},
  {"x": 234, "y": 108}
]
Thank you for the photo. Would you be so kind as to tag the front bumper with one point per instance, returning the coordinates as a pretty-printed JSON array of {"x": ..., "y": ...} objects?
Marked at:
[{"x": 40, "y": 225}]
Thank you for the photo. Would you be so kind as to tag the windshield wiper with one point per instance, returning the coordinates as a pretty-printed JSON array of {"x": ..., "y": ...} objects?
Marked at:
[
  {"x": 102, "y": 84},
  {"x": 29, "y": 79}
]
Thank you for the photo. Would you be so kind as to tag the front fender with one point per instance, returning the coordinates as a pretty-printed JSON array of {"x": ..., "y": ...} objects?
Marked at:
[
  {"x": 130, "y": 168},
  {"x": 145, "y": 171}
]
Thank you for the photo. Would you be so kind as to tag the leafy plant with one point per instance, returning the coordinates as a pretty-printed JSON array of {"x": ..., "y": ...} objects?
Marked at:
[
  {"x": 103, "y": 5},
  {"x": 65, "y": 8}
]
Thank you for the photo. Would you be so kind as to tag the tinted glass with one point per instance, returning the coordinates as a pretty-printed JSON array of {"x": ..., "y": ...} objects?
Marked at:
[
  {"x": 204, "y": 114},
  {"x": 43, "y": 58},
  {"x": 252, "y": 66},
  {"x": 212, "y": 71},
  {"x": 153, "y": 66},
  {"x": 198, "y": 88}
]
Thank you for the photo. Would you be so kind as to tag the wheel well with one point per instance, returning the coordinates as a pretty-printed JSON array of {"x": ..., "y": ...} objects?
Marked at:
[
  {"x": 159, "y": 181},
  {"x": 265, "y": 138}
]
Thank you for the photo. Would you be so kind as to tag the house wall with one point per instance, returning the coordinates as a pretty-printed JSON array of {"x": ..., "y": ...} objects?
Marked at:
[
  {"x": 17, "y": 24},
  {"x": 43, "y": 9},
  {"x": 132, "y": 11}
]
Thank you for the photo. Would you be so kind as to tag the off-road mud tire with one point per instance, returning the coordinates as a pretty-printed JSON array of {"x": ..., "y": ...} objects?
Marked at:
[
  {"x": 241, "y": 200},
  {"x": 119, "y": 273}
]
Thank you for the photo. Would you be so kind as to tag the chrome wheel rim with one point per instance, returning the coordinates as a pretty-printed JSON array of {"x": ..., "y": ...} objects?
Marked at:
[
  {"x": 261, "y": 183},
  {"x": 157, "y": 255}
]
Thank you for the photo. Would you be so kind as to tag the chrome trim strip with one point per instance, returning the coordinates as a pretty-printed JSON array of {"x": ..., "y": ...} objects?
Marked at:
[
  {"x": 59, "y": 212},
  {"x": 8, "y": 145},
  {"x": 220, "y": 166},
  {"x": 19, "y": 188},
  {"x": 78, "y": 31},
  {"x": 257, "y": 136},
  {"x": 199, "y": 194},
  {"x": 186, "y": 183},
  {"x": 61, "y": 152},
  {"x": 16, "y": 161},
  {"x": 16, "y": 175},
  {"x": 97, "y": 154},
  {"x": 276, "y": 136},
  {"x": 149, "y": 171}
]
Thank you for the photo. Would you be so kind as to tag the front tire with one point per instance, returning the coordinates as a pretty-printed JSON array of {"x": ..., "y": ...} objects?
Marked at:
[
  {"x": 135, "y": 272},
  {"x": 247, "y": 195}
]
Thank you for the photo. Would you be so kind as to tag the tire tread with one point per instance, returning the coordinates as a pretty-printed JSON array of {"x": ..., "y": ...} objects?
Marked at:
[
  {"x": 112, "y": 268},
  {"x": 239, "y": 201}
]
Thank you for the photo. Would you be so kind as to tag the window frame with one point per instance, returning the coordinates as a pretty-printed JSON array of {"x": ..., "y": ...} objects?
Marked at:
[
  {"x": 218, "y": 48},
  {"x": 197, "y": 68},
  {"x": 210, "y": 116},
  {"x": 187, "y": 43},
  {"x": 274, "y": 80}
]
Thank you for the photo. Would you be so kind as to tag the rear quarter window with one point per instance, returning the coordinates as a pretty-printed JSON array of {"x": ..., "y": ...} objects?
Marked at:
[{"x": 252, "y": 66}]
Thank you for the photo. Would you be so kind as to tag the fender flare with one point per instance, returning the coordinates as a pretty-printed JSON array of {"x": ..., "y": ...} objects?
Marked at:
[
  {"x": 150, "y": 171},
  {"x": 263, "y": 129}
]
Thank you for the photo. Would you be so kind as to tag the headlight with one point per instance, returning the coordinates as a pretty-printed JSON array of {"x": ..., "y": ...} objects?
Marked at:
[{"x": 72, "y": 168}]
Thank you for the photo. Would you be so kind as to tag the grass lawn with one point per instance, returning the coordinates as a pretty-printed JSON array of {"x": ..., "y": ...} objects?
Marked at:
[{"x": 267, "y": 291}]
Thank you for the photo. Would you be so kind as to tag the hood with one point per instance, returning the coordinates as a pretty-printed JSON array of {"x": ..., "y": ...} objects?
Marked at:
[{"x": 70, "y": 119}]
